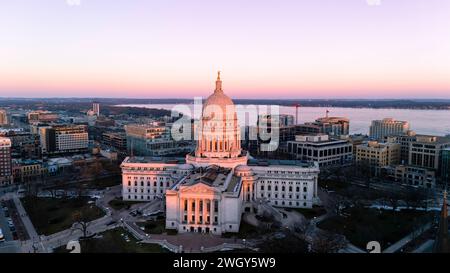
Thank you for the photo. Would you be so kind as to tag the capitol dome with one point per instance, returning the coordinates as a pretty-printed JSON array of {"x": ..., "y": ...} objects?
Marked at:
[
  {"x": 218, "y": 98},
  {"x": 218, "y": 101},
  {"x": 219, "y": 132}
]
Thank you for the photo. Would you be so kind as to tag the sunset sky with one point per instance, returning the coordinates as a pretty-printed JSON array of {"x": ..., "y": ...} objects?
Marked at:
[{"x": 265, "y": 49}]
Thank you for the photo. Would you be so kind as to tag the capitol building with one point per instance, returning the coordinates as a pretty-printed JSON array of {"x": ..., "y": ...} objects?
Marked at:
[{"x": 209, "y": 190}]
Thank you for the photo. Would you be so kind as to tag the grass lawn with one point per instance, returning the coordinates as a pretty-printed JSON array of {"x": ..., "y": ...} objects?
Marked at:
[
  {"x": 103, "y": 183},
  {"x": 119, "y": 204},
  {"x": 332, "y": 185},
  {"x": 310, "y": 213},
  {"x": 115, "y": 241},
  {"x": 154, "y": 227},
  {"x": 51, "y": 215},
  {"x": 364, "y": 225},
  {"x": 247, "y": 231}
]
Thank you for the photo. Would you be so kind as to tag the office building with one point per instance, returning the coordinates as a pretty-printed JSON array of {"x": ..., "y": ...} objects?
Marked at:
[
  {"x": 425, "y": 151},
  {"x": 40, "y": 116},
  {"x": 379, "y": 129},
  {"x": 333, "y": 126},
  {"x": 57, "y": 139},
  {"x": 445, "y": 166},
  {"x": 154, "y": 140},
  {"x": 6, "y": 177},
  {"x": 377, "y": 155},
  {"x": 414, "y": 176},
  {"x": 321, "y": 149},
  {"x": 3, "y": 117}
]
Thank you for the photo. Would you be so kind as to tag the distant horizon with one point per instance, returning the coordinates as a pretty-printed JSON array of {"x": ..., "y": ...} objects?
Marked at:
[
  {"x": 267, "y": 49},
  {"x": 191, "y": 98}
]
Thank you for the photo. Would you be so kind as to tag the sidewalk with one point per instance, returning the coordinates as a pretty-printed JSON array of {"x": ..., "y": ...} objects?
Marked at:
[
  {"x": 26, "y": 220},
  {"x": 398, "y": 245}
]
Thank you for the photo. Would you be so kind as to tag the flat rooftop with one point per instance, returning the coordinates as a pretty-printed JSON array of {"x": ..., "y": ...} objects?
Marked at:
[
  {"x": 155, "y": 159},
  {"x": 279, "y": 162},
  {"x": 213, "y": 176}
]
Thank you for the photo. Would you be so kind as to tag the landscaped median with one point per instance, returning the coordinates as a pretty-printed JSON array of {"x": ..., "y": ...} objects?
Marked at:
[{"x": 52, "y": 215}]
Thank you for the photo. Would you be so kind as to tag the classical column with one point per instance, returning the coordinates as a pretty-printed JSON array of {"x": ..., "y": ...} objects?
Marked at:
[
  {"x": 189, "y": 210},
  {"x": 196, "y": 210},
  {"x": 211, "y": 212},
  {"x": 204, "y": 211},
  {"x": 181, "y": 206},
  {"x": 208, "y": 212}
]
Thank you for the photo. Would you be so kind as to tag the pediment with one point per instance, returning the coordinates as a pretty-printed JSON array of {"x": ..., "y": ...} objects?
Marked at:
[{"x": 198, "y": 188}]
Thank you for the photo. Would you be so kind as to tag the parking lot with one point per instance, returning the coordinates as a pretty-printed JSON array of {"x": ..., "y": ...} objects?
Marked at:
[
  {"x": 17, "y": 229},
  {"x": 4, "y": 224},
  {"x": 9, "y": 245}
]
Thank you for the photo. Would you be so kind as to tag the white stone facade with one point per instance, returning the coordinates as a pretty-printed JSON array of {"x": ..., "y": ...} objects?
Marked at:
[{"x": 218, "y": 182}]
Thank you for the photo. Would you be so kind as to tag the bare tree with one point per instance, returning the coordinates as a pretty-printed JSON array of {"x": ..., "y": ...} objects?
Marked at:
[
  {"x": 393, "y": 199},
  {"x": 414, "y": 197},
  {"x": 82, "y": 221},
  {"x": 326, "y": 242},
  {"x": 338, "y": 203},
  {"x": 301, "y": 226}
]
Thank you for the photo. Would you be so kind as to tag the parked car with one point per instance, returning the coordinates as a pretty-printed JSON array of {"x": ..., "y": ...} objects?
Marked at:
[{"x": 2, "y": 237}]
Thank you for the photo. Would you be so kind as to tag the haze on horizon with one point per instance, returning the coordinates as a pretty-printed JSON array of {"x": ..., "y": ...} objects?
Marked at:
[{"x": 298, "y": 49}]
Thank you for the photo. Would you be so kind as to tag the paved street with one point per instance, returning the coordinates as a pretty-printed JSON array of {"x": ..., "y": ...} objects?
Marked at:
[
  {"x": 401, "y": 243},
  {"x": 47, "y": 243},
  {"x": 8, "y": 245},
  {"x": 190, "y": 242}
]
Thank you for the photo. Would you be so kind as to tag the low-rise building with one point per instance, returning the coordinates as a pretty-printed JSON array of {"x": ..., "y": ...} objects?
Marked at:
[
  {"x": 355, "y": 140},
  {"x": 24, "y": 144},
  {"x": 333, "y": 126},
  {"x": 321, "y": 149},
  {"x": 41, "y": 116},
  {"x": 58, "y": 165},
  {"x": 280, "y": 120},
  {"x": 376, "y": 155},
  {"x": 414, "y": 176},
  {"x": 103, "y": 121},
  {"x": 109, "y": 154},
  {"x": 27, "y": 170},
  {"x": 117, "y": 140},
  {"x": 154, "y": 140}
]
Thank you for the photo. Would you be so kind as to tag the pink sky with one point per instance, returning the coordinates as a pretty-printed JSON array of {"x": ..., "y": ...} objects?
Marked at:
[{"x": 266, "y": 49}]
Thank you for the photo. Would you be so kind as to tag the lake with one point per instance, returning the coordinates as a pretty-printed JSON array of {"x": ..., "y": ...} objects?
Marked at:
[{"x": 433, "y": 122}]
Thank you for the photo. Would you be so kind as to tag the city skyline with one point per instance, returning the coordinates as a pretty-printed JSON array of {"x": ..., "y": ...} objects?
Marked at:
[{"x": 299, "y": 49}]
